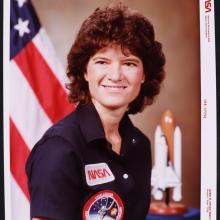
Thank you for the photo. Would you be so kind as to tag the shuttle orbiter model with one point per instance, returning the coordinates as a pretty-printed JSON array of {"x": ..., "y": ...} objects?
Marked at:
[{"x": 166, "y": 172}]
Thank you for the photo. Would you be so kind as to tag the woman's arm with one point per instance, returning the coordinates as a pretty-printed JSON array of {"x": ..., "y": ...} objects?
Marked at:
[{"x": 54, "y": 181}]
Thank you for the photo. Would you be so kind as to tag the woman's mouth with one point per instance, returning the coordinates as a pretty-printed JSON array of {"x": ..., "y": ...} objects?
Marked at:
[{"x": 114, "y": 86}]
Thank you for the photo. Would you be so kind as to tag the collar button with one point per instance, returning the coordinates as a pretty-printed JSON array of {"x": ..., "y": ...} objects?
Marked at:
[
  {"x": 125, "y": 176},
  {"x": 133, "y": 141}
]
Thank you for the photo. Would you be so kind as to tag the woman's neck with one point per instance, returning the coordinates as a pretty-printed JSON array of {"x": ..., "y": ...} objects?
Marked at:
[{"x": 110, "y": 120}]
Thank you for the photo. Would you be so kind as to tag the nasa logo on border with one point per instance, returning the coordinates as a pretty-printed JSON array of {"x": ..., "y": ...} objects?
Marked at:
[{"x": 104, "y": 205}]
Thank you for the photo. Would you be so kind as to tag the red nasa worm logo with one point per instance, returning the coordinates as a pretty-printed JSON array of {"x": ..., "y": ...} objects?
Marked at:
[
  {"x": 98, "y": 173},
  {"x": 208, "y": 6},
  {"x": 104, "y": 205}
]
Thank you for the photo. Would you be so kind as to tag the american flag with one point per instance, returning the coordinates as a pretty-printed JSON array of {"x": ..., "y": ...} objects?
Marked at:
[{"x": 37, "y": 95}]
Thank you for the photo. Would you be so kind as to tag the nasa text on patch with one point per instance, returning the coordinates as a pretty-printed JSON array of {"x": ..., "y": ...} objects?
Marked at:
[{"x": 98, "y": 173}]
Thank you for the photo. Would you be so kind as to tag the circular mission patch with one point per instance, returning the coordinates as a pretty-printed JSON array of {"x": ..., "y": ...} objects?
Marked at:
[{"x": 104, "y": 205}]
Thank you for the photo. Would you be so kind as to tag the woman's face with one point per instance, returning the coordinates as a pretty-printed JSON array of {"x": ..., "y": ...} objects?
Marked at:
[{"x": 114, "y": 78}]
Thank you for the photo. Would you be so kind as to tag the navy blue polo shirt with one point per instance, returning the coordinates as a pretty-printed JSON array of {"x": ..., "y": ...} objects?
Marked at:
[{"x": 73, "y": 173}]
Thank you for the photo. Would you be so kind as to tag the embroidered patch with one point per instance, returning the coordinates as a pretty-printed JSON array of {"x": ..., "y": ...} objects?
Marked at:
[
  {"x": 104, "y": 205},
  {"x": 98, "y": 173}
]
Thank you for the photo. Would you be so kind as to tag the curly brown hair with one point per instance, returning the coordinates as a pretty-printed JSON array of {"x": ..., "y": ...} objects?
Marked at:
[{"x": 116, "y": 24}]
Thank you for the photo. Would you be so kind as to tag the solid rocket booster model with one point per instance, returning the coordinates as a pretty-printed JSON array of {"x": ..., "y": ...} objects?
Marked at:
[{"x": 166, "y": 172}]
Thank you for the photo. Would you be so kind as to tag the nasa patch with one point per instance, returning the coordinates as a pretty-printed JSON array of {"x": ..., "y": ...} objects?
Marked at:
[
  {"x": 98, "y": 173},
  {"x": 104, "y": 205}
]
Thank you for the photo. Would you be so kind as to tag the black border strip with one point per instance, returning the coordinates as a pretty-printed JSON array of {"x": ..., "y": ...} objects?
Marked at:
[
  {"x": 217, "y": 42},
  {"x": 2, "y": 206}
]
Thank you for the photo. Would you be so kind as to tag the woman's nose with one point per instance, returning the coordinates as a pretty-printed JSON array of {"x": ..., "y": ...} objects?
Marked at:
[{"x": 115, "y": 73}]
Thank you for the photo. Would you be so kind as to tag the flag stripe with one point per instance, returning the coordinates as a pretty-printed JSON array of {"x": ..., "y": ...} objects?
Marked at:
[
  {"x": 43, "y": 82},
  {"x": 19, "y": 153},
  {"x": 45, "y": 48},
  {"x": 19, "y": 204},
  {"x": 29, "y": 117}
]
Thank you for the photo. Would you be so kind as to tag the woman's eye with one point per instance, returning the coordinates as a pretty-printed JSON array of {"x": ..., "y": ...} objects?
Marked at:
[
  {"x": 130, "y": 64},
  {"x": 100, "y": 62}
]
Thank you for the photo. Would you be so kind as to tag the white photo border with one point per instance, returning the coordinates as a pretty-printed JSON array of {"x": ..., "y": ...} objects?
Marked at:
[
  {"x": 208, "y": 111},
  {"x": 6, "y": 60}
]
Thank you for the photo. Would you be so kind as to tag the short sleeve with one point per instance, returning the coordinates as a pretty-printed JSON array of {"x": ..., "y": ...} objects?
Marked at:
[{"x": 54, "y": 180}]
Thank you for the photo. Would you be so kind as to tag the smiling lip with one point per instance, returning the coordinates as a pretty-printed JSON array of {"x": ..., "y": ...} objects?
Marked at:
[{"x": 114, "y": 87}]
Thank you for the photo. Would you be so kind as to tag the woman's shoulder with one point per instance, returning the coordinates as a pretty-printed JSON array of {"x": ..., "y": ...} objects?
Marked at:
[
  {"x": 141, "y": 135},
  {"x": 62, "y": 135},
  {"x": 58, "y": 141},
  {"x": 66, "y": 128}
]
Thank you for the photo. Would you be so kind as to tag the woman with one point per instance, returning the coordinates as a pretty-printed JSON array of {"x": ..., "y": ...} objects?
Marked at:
[{"x": 94, "y": 164}]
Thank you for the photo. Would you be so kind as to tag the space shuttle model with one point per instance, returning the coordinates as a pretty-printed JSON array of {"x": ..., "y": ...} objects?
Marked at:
[{"x": 166, "y": 172}]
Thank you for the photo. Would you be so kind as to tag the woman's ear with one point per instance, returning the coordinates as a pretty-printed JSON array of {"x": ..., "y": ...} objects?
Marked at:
[
  {"x": 143, "y": 79},
  {"x": 86, "y": 76}
]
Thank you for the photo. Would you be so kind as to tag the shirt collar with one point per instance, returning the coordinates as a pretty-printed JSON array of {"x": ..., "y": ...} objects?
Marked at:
[
  {"x": 90, "y": 122},
  {"x": 91, "y": 125}
]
